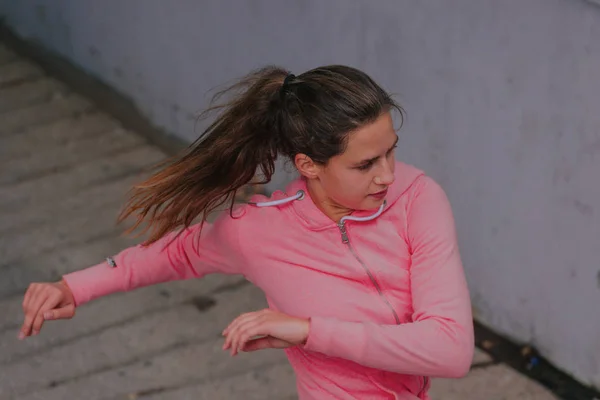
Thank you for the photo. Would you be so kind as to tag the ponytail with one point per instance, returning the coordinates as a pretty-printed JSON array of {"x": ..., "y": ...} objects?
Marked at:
[{"x": 227, "y": 155}]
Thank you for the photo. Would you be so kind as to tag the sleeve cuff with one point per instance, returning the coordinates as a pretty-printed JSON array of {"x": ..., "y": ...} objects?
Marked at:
[
  {"x": 319, "y": 335},
  {"x": 93, "y": 282}
]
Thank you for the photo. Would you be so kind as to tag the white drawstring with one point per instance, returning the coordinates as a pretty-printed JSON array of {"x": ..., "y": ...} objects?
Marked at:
[
  {"x": 367, "y": 218},
  {"x": 297, "y": 196}
]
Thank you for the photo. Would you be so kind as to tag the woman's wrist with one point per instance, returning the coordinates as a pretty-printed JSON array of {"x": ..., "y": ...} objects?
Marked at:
[
  {"x": 307, "y": 321},
  {"x": 67, "y": 289}
]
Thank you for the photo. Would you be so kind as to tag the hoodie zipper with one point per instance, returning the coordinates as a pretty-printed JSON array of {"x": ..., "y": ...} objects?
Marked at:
[{"x": 346, "y": 241}]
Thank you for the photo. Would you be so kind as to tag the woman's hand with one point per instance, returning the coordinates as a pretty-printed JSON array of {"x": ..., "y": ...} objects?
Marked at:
[
  {"x": 45, "y": 301},
  {"x": 263, "y": 330}
]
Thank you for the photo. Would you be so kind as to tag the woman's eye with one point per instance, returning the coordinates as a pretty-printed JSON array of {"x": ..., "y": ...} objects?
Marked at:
[{"x": 364, "y": 167}]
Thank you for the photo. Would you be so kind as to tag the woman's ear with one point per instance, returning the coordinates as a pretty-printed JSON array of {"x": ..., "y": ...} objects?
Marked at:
[{"x": 306, "y": 166}]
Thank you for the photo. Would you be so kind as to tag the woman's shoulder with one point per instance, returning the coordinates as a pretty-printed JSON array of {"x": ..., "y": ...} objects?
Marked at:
[{"x": 413, "y": 186}]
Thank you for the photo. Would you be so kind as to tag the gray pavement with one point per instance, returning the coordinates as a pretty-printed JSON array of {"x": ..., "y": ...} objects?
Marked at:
[{"x": 65, "y": 168}]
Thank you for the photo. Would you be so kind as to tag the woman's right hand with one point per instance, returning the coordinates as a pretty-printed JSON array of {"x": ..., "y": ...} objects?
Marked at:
[{"x": 43, "y": 302}]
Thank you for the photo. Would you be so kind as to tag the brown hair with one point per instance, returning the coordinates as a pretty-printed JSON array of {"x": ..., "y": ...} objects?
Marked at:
[{"x": 311, "y": 114}]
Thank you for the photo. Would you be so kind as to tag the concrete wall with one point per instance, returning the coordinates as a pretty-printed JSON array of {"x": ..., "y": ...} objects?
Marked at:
[{"x": 502, "y": 100}]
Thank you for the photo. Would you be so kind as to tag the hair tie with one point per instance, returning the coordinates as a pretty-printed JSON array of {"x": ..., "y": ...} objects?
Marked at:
[{"x": 288, "y": 79}]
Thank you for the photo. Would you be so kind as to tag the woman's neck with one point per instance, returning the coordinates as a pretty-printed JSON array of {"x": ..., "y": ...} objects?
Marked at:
[{"x": 331, "y": 209}]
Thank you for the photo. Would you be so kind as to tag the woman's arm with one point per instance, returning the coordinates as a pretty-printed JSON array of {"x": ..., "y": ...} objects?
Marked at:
[
  {"x": 194, "y": 253},
  {"x": 439, "y": 342}
]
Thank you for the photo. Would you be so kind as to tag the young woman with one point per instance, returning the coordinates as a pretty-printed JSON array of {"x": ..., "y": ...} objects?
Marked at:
[{"x": 358, "y": 258}]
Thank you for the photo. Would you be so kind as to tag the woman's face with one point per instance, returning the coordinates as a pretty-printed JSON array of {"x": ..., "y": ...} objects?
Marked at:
[{"x": 358, "y": 178}]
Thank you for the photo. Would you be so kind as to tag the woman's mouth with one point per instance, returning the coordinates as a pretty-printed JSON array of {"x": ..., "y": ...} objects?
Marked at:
[{"x": 379, "y": 195}]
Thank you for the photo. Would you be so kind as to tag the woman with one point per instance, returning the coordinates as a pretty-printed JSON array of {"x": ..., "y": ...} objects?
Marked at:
[{"x": 358, "y": 258}]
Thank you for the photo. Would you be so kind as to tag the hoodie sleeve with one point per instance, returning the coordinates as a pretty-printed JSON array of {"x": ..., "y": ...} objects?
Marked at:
[
  {"x": 194, "y": 253},
  {"x": 439, "y": 342}
]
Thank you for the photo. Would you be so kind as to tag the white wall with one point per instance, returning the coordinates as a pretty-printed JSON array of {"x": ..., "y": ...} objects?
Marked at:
[{"x": 502, "y": 100}]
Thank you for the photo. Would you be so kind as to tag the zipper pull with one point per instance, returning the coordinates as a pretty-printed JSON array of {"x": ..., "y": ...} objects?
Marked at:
[{"x": 342, "y": 227}]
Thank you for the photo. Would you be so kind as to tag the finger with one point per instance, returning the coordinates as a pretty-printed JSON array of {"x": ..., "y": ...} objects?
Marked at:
[
  {"x": 29, "y": 293},
  {"x": 244, "y": 317},
  {"x": 233, "y": 336},
  {"x": 51, "y": 302},
  {"x": 36, "y": 325},
  {"x": 240, "y": 319},
  {"x": 257, "y": 344},
  {"x": 34, "y": 304},
  {"x": 267, "y": 342},
  {"x": 66, "y": 312},
  {"x": 233, "y": 327},
  {"x": 247, "y": 331}
]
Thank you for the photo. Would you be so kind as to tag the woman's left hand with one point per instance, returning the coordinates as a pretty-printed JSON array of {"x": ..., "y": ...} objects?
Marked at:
[{"x": 274, "y": 330}]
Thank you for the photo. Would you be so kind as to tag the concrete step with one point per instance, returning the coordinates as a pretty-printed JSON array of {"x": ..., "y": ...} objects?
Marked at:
[
  {"x": 497, "y": 382},
  {"x": 37, "y": 90},
  {"x": 53, "y": 213},
  {"x": 6, "y": 55},
  {"x": 36, "y": 192},
  {"x": 58, "y": 108},
  {"x": 53, "y": 136},
  {"x": 17, "y": 72},
  {"x": 48, "y": 163},
  {"x": 273, "y": 382}
]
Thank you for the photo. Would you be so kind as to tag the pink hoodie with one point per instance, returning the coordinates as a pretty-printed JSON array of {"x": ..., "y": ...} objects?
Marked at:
[{"x": 384, "y": 290}]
